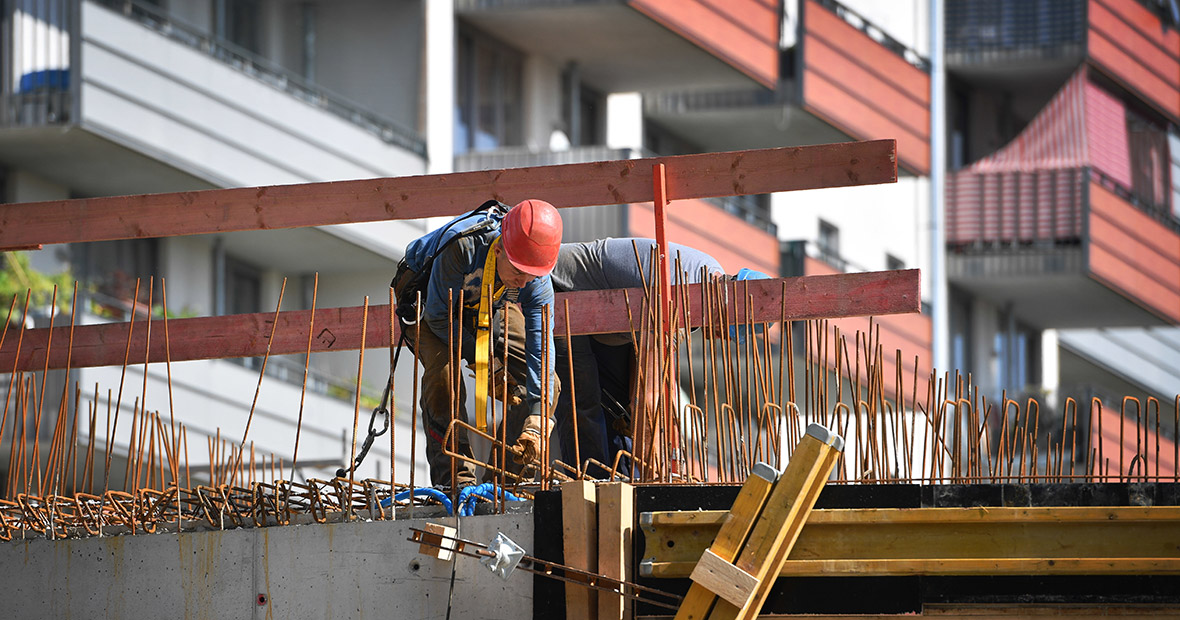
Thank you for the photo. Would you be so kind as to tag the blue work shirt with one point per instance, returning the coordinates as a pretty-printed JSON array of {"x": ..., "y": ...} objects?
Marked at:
[{"x": 459, "y": 267}]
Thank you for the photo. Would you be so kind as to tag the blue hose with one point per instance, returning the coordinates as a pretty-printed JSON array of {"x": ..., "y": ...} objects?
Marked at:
[
  {"x": 434, "y": 494},
  {"x": 468, "y": 497}
]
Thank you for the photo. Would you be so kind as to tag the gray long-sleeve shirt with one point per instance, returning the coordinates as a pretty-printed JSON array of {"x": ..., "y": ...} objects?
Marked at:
[{"x": 610, "y": 263}]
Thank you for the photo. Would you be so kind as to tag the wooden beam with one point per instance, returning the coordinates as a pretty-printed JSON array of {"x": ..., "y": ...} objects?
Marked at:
[
  {"x": 616, "y": 518},
  {"x": 943, "y": 541},
  {"x": 579, "y": 527},
  {"x": 369, "y": 200},
  {"x": 339, "y": 329}
]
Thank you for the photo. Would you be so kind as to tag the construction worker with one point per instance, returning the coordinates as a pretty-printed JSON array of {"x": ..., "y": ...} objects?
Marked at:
[
  {"x": 603, "y": 364},
  {"x": 450, "y": 268}
]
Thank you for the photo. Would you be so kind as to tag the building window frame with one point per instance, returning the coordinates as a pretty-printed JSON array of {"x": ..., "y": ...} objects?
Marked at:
[{"x": 489, "y": 93}]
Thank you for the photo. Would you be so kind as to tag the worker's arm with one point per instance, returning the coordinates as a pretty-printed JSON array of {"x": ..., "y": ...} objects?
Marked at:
[{"x": 535, "y": 300}]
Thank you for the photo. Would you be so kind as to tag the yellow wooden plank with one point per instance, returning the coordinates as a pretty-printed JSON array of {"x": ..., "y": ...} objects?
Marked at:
[
  {"x": 984, "y": 566},
  {"x": 724, "y": 579},
  {"x": 782, "y": 519},
  {"x": 733, "y": 532},
  {"x": 616, "y": 517},
  {"x": 954, "y": 566},
  {"x": 843, "y": 516},
  {"x": 672, "y": 549},
  {"x": 579, "y": 524}
]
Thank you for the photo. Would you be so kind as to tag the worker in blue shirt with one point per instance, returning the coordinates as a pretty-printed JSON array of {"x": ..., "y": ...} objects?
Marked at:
[{"x": 449, "y": 267}]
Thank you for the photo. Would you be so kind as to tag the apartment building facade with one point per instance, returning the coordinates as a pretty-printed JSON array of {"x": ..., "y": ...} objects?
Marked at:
[
  {"x": 1063, "y": 229},
  {"x": 119, "y": 97}
]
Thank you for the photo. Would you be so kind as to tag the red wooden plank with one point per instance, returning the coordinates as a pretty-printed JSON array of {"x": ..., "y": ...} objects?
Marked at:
[
  {"x": 339, "y": 202},
  {"x": 339, "y": 329}
]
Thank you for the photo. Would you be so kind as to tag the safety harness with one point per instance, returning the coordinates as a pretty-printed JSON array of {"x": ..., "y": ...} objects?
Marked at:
[
  {"x": 483, "y": 330},
  {"x": 408, "y": 314}
]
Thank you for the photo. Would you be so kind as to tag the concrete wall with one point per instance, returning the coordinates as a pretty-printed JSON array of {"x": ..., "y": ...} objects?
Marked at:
[{"x": 344, "y": 570}]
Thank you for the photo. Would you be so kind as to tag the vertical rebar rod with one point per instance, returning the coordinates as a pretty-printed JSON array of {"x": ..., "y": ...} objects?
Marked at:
[
  {"x": 315, "y": 289},
  {"x": 356, "y": 412}
]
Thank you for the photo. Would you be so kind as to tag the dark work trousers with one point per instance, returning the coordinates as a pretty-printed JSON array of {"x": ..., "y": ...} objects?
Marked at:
[
  {"x": 437, "y": 403},
  {"x": 601, "y": 383}
]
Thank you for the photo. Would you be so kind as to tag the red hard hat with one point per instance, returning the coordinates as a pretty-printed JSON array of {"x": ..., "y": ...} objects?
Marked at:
[{"x": 532, "y": 235}]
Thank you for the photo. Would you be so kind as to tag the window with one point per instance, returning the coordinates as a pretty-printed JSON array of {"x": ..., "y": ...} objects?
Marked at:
[
  {"x": 1149, "y": 162},
  {"x": 237, "y": 22},
  {"x": 829, "y": 242},
  {"x": 243, "y": 287},
  {"x": 488, "y": 95},
  {"x": 582, "y": 110},
  {"x": 893, "y": 263}
]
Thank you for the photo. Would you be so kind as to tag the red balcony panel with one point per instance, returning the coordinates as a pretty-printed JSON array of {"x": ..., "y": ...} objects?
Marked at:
[
  {"x": 1128, "y": 43},
  {"x": 1134, "y": 254},
  {"x": 1014, "y": 207},
  {"x": 860, "y": 118},
  {"x": 743, "y": 33},
  {"x": 726, "y": 237},
  {"x": 910, "y": 112},
  {"x": 863, "y": 88},
  {"x": 911, "y": 334}
]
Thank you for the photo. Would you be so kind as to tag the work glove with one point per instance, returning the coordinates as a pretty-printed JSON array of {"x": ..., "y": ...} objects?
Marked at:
[{"x": 527, "y": 447}]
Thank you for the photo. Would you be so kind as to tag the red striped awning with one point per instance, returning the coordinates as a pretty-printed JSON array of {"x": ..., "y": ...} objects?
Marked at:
[{"x": 1083, "y": 125}]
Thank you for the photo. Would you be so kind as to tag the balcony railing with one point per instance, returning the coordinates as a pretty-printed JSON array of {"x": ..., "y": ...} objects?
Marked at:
[
  {"x": 875, "y": 33},
  {"x": 267, "y": 71},
  {"x": 32, "y": 95},
  {"x": 35, "y": 59},
  {"x": 748, "y": 208},
  {"x": 989, "y": 31},
  {"x": 1043, "y": 208}
]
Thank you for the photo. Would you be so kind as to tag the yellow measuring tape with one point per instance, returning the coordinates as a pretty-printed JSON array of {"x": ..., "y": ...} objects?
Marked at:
[{"x": 483, "y": 334}]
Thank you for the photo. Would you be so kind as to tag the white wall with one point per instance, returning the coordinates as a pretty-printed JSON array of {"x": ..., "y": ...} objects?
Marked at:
[
  {"x": 542, "y": 101},
  {"x": 624, "y": 120},
  {"x": 187, "y": 265},
  {"x": 370, "y": 51},
  {"x": 904, "y": 20},
  {"x": 873, "y": 220}
]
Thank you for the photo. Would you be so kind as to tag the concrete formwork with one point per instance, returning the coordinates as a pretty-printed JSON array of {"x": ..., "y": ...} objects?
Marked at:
[{"x": 334, "y": 570}]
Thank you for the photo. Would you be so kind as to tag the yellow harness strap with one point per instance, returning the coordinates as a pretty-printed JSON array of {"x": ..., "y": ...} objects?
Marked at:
[{"x": 483, "y": 337}]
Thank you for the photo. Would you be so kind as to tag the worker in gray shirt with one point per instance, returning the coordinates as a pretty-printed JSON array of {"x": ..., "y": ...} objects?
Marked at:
[{"x": 603, "y": 364}]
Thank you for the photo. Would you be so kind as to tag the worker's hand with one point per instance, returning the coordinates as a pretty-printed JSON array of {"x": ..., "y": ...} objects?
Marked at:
[
  {"x": 527, "y": 448},
  {"x": 514, "y": 391}
]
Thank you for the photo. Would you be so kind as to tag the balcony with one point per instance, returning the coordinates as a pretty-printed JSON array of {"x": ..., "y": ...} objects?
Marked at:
[
  {"x": 1014, "y": 35},
  {"x": 1034, "y": 43},
  {"x": 1071, "y": 222},
  {"x": 845, "y": 79},
  {"x": 112, "y": 97},
  {"x": 1067, "y": 248},
  {"x": 641, "y": 45}
]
